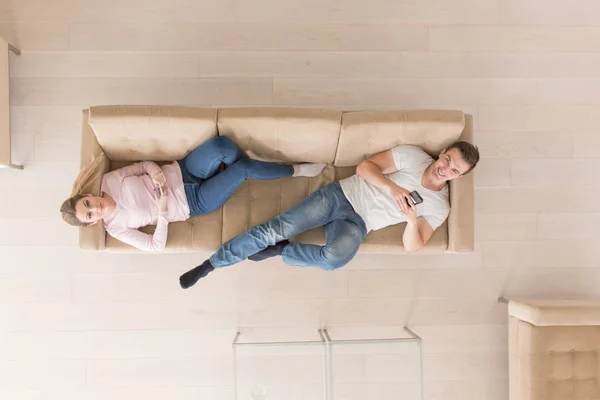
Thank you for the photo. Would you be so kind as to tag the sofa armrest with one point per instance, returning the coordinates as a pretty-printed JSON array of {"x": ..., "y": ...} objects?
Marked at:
[
  {"x": 461, "y": 221},
  {"x": 91, "y": 238},
  {"x": 556, "y": 313}
]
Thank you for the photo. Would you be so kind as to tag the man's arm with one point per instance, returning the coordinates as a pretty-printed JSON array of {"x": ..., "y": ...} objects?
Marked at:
[
  {"x": 417, "y": 234},
  {"x": 373, "y": 169}
]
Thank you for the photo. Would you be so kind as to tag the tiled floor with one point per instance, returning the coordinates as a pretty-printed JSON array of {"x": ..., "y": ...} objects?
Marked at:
[{"x": 85, "y": 326}]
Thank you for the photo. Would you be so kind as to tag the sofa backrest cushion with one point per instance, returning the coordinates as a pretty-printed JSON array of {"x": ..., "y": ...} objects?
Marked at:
[
  {"x": 283, "y": 134},
  {"x": 365, "y": 133},
  {"x": 130, "y": 133}
]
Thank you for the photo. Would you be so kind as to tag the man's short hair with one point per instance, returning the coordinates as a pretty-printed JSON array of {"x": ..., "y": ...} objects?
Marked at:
[{"x": 469, "y": 153}]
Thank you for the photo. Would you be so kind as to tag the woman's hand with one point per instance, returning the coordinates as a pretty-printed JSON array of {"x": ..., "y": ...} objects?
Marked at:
[
  {"x": 158, "y": 179},
  {"x": 162, "y": 200}
]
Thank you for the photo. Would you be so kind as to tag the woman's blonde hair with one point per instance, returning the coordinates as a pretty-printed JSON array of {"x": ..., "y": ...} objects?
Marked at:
[{"x": 81, "y": 188}]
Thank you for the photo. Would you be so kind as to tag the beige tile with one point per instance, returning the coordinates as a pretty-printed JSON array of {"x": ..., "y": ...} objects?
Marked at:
[
  {"x": 177, "y": 11},
  {"x": 586, "y": 144},
  {"x": 539, "y": 12},
  {"x": 124, "y": 393},
  {"x": 379, "y": 11},
  {"x": 244, "y": 37},
  {"x": 282, "y": 313},
  {"x": 280, "y": 281},
  {"x": 45, "y": 204},
  {"x": 384, "y": 37},
  {"x": 123, "y": 344},
  {"x": 507, "y": 200},
  {"x": 496, "y": 390},
  {"x": 47, "y": 121},
  {"x": 331, "y": 64},
  {"x": 22, "y": 148},
  {"x": 116, "y": 11},
  {"x": 380, "y": 391},
  {"x": 536, "y": 118},
  {"x": 555, "y": 172},
  {"x": 38, "y": 176},
  {"x": 478, "y": 367},
  {"x": 457, "y": 311},
  {"x": 489, "y": 64},
  {"x": 386, "y": 63},
  {"x": 567, "y": 253},
  {"x": 461, "y": 284},
  {"x": 20, "y": 259},
  {"x": 395, "y": 262},
  {"x": 401, "y": 91},
  {"x": 175, "y": 91},
  {"x": 463, "y": 339},
  {"x": 73, "y": 64},
  {"x": 515, "y": 38},
  {"x": 160, "y": 372},
  {"x": 553, "y": 284},
  {"x": 546, "y": 144},
  {"x": 489, "y": 227},
  {"x": 318, "y": 64},
  {"x": 46, "y": 316},
  {"x": 276, "y": 282},
  {"x": 36, "y": 36},
  {"x": 36, "y": 232},
  {"x": 150, "y": 287},
  {"x": 569, "y": 225},
  {"x": 390, "y": 283},
  {"x": 365, "y": 312},
  {"x": 492, "y": 172},
  {"x": 35, "y": 288},
  {"x": 41, "y": 374},
  {"x": 573, "y": 91}
]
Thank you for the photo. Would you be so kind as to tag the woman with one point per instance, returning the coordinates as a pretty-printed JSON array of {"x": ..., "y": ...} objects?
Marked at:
[{"x": 145, "y": 194}]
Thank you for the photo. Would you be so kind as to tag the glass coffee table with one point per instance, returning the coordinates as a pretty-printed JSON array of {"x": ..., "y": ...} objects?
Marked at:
[{"x": 348, "y": 367}]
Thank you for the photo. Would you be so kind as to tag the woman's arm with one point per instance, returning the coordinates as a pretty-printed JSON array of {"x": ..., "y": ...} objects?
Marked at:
[
  {"x": 143, "y": 241},
  {"x": 140, "y": 168}
]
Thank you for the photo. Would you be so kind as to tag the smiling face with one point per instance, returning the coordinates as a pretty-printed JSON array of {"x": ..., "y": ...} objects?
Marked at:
[
  {"x": 90, "y": 209},
  {"x": 450, "y": 165}
]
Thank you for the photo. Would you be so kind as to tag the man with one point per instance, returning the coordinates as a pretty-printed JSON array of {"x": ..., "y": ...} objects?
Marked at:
[{"x": 378, "y": 195}]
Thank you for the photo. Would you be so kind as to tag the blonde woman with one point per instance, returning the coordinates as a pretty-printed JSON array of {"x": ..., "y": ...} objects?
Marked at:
[{"x": 145, "y": 194}]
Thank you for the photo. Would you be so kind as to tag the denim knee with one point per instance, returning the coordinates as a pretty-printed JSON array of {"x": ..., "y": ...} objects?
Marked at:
[
  {"x": 334, "y": 258},
  {"x": 223, "y": 143}
]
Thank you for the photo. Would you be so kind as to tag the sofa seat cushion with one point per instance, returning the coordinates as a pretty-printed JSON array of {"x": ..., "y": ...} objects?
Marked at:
[
  {"x": 198, "y": 234},
  {"x": 257, "y": 202}
]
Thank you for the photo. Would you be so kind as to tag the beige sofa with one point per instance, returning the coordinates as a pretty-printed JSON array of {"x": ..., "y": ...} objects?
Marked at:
[
  {"x": 340, "y": 139},
  {"x": 554, "y": 350}
]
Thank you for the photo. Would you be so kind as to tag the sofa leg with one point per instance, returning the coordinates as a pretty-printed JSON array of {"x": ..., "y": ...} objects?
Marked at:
[{"x": 15, "y": 166}]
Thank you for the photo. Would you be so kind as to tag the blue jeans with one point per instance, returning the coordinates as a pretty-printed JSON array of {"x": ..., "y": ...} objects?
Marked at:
[
  {"x": 205, "y": 189},
  {"x": 328, "y": 206}
]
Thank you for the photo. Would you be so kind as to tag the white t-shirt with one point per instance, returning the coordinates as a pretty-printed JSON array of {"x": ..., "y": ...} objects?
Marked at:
[{"x": 378, "y": 209}]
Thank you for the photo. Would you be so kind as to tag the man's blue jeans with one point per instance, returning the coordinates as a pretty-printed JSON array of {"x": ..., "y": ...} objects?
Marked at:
[{"x": 344, "y": 230}]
